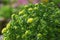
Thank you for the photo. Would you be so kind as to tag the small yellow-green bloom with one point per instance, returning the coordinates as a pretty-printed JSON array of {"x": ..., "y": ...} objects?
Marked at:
[
  {"x": 17, "y": 36},
  {"x": 41, "y": 3},
  {"x": 35, "y": 8},
  {"x": 44, "y": 5},
  {"x": 13, "y": 16},
  {"x": 39, "y": 35},
  {"x": 22, "y": 28},
  {"x": 15, "y": 27},
  {"x": 4, "y": 30},
  {"x": 52, "y": 3},
  {"x": 30, "y": 9},
  {"x": 26, "y": 6},
  {"x": 4, "y": 38},
  {"x": 21, "y": 12},
  {"x": 8, "y": 25},
  {"x": 28, "y": 32},
  {"x": 36, "y": 4},
  {"x": 30, "y": 20}
]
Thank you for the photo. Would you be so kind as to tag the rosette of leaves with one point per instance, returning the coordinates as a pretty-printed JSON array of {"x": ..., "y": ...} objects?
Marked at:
[{"x": 34, "y": 22}]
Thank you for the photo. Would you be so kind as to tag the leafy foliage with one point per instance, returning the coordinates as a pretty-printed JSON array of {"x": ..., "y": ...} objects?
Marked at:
[
  {"x": 5, "y": 1},
  {"x": 34, "y": 22},
  {"x": 5, "y": 11},
  {"x": 56, "y": 1}
]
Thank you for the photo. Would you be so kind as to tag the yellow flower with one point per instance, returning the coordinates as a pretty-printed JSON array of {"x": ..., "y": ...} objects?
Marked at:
[
  {"x": 41, "y": 3},
  {"x": 22, "y": 28},
  {"x": 28, "y": 32},
  {"x": 39, "y": 35},
  {"x": 52, "y": 3},
  {"x": 15, "y": 27},
  {"x": 30, "y": 9},
  {"x": 4, "y": 38},
  {"x": 4, "y": 30},
  {"x": 26, "y": 6},
  {"x": 8, "y": 25},
  {"x": 36, "y": 4},
  {"x": 21, "y": 12},
  {"x": 13, "y": 16},
  {"x": 35, "y": 8},
  {"x": 30, "y": 20}
]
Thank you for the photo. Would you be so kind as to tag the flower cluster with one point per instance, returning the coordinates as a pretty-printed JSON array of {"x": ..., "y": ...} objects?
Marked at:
[{"x": 34, "y": 22}]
